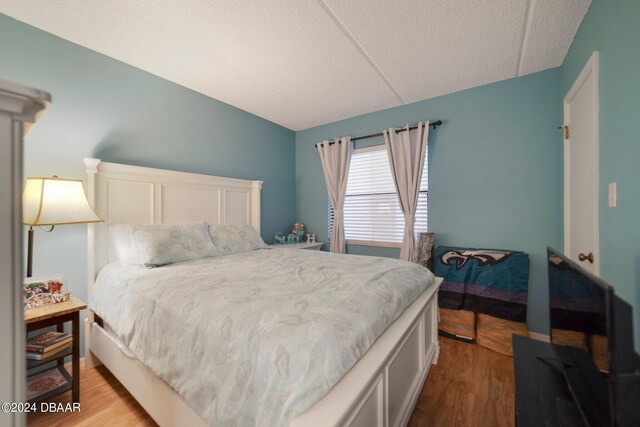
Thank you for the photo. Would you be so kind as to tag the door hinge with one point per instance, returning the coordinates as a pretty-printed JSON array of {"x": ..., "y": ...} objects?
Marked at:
[{"x": 565, "y": 131}]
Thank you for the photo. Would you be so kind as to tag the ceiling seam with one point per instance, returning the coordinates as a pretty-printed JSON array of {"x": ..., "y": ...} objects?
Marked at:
[
  {"x": 359, "y": 47},
  {"x": 525, "y": 36},
  {"x": 222, "y": 62}
]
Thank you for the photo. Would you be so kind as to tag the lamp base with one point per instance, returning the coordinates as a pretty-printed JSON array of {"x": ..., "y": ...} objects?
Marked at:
[{"x": 30, "y": 253}]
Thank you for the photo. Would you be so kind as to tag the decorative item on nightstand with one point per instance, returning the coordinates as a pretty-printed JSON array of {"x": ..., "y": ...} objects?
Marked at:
[
  {"x": 295, "y": 236},
  {"x": 426, "y": 249},
  {"x": 295, "y": 240},
  {"x": 297, "y": 232},
  {"x": 44, "y": 292},
  {"x": 54, "y": 201}
]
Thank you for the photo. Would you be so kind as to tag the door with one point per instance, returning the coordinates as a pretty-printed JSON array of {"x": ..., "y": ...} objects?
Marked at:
[{"x": 581, "y": 169}]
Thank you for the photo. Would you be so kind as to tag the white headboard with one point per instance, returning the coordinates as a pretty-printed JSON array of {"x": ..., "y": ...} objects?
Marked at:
[{"x": 125, "y": 194}]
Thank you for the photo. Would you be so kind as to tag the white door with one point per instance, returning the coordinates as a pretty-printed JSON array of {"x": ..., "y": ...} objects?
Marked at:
[{"x": 581, "y": 177}]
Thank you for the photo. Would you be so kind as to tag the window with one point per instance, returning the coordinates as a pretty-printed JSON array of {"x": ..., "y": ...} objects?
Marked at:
[{"x": 372, "y": 214}]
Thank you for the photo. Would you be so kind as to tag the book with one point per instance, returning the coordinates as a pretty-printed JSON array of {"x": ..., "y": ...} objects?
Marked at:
[
  {"x": 47, "y": 341},
  {"x": 50, "y": 348},
  {"x": 34, "y": 355},
  {"x": 43, "y": 382}
]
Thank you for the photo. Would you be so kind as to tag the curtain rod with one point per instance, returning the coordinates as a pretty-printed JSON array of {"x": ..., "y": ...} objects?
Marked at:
[{"x": 434, "y": 125}]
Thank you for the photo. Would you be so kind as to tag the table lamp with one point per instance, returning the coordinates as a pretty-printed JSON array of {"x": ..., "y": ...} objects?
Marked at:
[{"x": 54, "y": 201}]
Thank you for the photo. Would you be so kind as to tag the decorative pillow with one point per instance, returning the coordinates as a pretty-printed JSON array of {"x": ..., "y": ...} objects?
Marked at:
[
  {"x": 160, "y": 244},
  {"x": 120, "y": 237},
  {"x": 232, "y": 239}
]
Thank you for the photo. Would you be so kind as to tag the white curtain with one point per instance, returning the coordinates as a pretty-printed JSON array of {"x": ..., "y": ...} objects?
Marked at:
[
  {"x": 335, "y": 159},
  {"x": 406, "y": 158}
]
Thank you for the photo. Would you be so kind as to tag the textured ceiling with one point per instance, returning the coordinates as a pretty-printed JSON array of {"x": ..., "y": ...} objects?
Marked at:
[{"x": 303, "y": 63}]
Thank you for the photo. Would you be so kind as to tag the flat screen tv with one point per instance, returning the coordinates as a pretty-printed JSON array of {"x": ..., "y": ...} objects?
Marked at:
[{"x": 592, "y": 337}]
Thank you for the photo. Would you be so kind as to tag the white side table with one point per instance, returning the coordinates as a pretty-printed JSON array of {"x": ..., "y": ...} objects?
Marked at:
[{"x": 311, "y": 246}]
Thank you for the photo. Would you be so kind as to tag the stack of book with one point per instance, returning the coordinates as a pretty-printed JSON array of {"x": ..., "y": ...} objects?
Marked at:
[{"x": 46, "y": 344}]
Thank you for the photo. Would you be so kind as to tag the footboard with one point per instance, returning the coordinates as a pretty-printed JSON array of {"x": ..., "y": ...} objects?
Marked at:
[{"x": 382, "y": 388}]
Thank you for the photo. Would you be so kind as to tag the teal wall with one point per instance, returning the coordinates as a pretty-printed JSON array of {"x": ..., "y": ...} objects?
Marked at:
[
  {"x": 495, "y": 172},
  {"x": 106, "y": 109},
  {"x": 613, "y": 28}
]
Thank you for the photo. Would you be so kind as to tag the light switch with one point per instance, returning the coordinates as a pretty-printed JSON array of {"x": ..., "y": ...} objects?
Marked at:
[{"x": 613, "y": 195}]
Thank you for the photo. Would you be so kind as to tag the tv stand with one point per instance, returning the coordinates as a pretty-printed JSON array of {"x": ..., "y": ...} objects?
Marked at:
[{"x": 542, "y": 395}]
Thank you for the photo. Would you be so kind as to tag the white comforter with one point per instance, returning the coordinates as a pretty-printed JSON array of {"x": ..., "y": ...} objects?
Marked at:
[{"x": 256, "y": 338}]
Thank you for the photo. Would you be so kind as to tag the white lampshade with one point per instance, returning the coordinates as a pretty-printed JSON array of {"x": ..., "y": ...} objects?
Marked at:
[{"x": 54, "y": 201}]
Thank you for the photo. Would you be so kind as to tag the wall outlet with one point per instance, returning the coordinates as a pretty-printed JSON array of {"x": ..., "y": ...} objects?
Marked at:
[{"x": 613, "y": 194}]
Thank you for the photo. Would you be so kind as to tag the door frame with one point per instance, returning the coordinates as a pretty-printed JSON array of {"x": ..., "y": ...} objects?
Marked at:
[
  {"x": 592, "y": 67},
  {"x": 20, "y": 107}
]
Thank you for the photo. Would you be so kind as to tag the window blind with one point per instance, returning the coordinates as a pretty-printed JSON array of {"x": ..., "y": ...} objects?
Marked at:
[{"x": 372, "y": 212}]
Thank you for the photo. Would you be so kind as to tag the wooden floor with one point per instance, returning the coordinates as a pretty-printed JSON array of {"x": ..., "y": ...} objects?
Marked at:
[{"x": 470, "y": 386}]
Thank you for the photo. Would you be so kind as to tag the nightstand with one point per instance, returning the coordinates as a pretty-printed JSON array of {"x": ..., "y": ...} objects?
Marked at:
[
  {"x": 311, "y": 246},
  {"x": 58, "y": 314}
]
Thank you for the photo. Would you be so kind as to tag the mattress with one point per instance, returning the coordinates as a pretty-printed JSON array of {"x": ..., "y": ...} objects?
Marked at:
[{"x": 255, "y": 338}]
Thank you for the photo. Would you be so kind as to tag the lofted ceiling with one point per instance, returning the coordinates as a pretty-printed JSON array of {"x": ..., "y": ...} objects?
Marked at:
[{"x": 303, "y": 63}]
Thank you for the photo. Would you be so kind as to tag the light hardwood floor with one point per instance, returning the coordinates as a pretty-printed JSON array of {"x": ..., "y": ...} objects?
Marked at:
[{"x": 470, "y": 386}]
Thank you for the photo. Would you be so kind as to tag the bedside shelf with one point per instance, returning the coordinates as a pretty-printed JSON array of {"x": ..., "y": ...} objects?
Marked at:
[
  {"x": 56, "y": 391},
  {"x": 57, "y": 315},
  {"x": 310, "y": 246},
  {"x": 59, "y": 355}
]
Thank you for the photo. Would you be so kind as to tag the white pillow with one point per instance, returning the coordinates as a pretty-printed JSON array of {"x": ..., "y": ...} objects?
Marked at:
[
  {"x": 250, "y": 237},
  {"x": 122, "y": 244},
  {"x": 160, "y": 244},
  {"x": 232, "y": 239}
]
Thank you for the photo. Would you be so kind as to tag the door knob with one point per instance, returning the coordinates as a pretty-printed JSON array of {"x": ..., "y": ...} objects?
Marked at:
[{"x": 583, "y": 257}]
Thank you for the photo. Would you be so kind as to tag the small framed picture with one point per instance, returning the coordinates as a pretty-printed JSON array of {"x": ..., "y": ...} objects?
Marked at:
[{"x": 39, "y": 292}]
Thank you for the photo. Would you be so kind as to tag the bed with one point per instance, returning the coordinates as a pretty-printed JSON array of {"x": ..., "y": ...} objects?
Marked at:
[{"x": 375, "y": 383}]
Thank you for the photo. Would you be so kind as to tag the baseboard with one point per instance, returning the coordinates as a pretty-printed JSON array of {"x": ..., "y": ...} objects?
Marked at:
[
  {"x": 539, "y": 337},
  {"x": 68, "y": 366}
]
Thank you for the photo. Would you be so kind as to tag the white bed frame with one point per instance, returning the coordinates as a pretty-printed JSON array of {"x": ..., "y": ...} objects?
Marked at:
[{"x": 380, "y": 390}]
